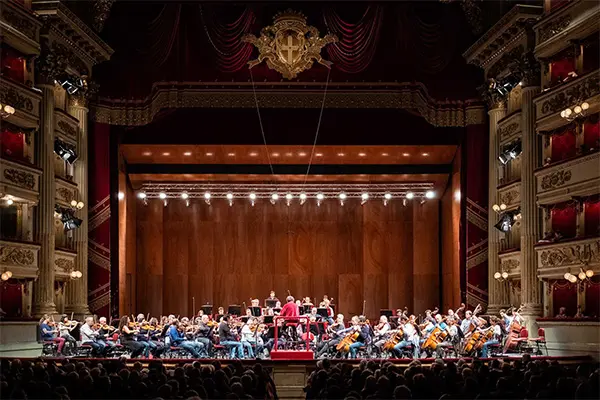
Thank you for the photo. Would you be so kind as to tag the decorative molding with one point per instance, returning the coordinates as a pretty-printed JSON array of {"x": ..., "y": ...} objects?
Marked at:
[
  {"x": 553, "y": 28},
  {"x": 510, "y": 264},
  {"x": 16, "y": 256},
  {"x": 20, "y": 28},
  {"x": 555, "y": 179},
  {"x": 64, "y": 194},
  {"x": 510, "y": 197},
  {"x": 505, "y": 62},
  {"x": 68, "y": 129},
  {"x": 51, "y": 63},
  {"x": 509, "y": 128},
  {"x": 20, "y": 23},
  {"x": 9, "y": 95},
  {"x": 568, "y": 94},
  {"x": 65, "y": 264},
  {"x": 20, "y": 178},
  {"x": 413, "y": 96},
  {"x": 571, "y": 254},
  {"x": 101, "y": 13}
]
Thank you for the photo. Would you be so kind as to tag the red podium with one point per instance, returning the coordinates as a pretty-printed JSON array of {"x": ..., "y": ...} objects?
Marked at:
[{"x": 277, "y": 354}]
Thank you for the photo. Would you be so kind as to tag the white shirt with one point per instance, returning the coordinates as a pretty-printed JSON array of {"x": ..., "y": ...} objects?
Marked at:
[
  {"x": 87, "y": 333},
  {"x": 384, "y": 329},
  {"x": 247, "y": 334},
  {"x": 409, "y": 331},
  {"x": 497, "y": 332}
]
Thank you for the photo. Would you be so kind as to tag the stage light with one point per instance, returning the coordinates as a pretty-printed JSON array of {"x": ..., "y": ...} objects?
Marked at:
[
  {"x": 410, "y": 195},
  {"x": 457, "y": 195},
  {"x": 510, "y": 152},
  {"x": 386, "y": 198},
  {"x": 404, "y": 202},
  {"x": 65, "y": 151},
  {"x": 121, "y": 195},
  {"x": 72, "y": 223},
  {"x": 430, "y": 194},
  {"x": 342, "y": 197},
  {"x": 288, "y": 199},
  {"x": 185, "y": 196},
  {"x": 207, "y": 198},
  {"x": 187, "y": 153},
  {"x": 72, "y": 84},
  {"x": 497, "y": 275},
  {"x": 230, "y": 198},
  {"x": 589, "y": 273},
  {"x": 141, "y": 195},
  {"x": 162, "y": 195},
  {"x": 505, "y": 223},
  {"x": 320, "y": 198},
  {"x": 252, "y": 198},
  {"x": 361, "y": 154},
  {"x": 302, "y": 198},
  {"x": 364, "y": 197},
  {"x": 9, "y": 202},
  {"x": 274, "y": 198},
  {"x": 319, "y": 154},
  {"x": 302, "y": 154}
]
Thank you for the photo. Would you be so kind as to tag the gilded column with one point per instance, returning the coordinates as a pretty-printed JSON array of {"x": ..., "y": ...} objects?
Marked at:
[
  {"x": 498, "y": 295},
  {"x": 43, "y": 291},
  {"x": 76, "y": 290},
  {"x": 531, "y": 293}
]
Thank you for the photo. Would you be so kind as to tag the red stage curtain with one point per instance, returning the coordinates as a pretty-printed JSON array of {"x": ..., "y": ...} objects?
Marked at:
[
  {"x": 11, "y": 298},
  {"x": 357, "y": 40},
  {"x": 560, "y": 69},
  {"x": 11, "y": 143},
  {"x": 564, "y": 294},
  {"x": 563, "y": 144},
  {"x": 591, "y": 132},
  {"x": 592, "y": 298},
  {"x": 591, "y": 214},
  {"x": 564, "y": 219},
  {"x": 13, "y": 64}
]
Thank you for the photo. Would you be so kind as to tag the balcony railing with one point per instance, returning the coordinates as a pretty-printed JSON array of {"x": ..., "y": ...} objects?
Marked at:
[
  {"x": 66, "y": 127},
  {"x": 510, "y": 262},
  {"x": 20, "y": 258},
  {"x": 562, "y": 181},
  {"x": 509, "y": 128},
  {"x": 20, "y": 28},
  {"x": 510, "y": 195},
  {"x": 556, "y": 259},
  {"x": 64, "y": 264},
  {"x": 65, "y": 192},
  {"x": 20, "y": 180},
  {"x": 25, "y": 100}
]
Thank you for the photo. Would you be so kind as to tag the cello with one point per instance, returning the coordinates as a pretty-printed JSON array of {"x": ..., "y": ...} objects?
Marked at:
[
  {"x": 397, "y": 337},
  {"x": 514, "y": 332}
]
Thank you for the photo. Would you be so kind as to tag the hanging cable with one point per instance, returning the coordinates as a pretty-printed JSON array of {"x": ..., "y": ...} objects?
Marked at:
[
  {"x": 262, "y": 131},
  {"x": 312, "y": 152}
]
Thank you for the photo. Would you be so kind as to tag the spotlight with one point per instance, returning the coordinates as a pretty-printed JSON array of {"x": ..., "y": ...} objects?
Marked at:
[
  {"x": 65, "y": 151},
  {"x": 186, "y": 197},
  {"x": 274, "y": 198},
  {"x": 288, "y": 199},
  {"x": 162, "y": 195},
  {"x": 121, "y": 195},
  {"x": 410, "y": 195},
  {"x": 67, "y": 217},
  {"x": 72, "y": 84},
  {"x": 342, "y": 197},
  {"x": 230, "y": 198},
  {"x": 207, "y": 198},
  {"x": 364, "y": 197},
  {"x": 252, "y": 198},
  {"x": 386, "y": 198},
  {"x": 320, "y": 198},
  {"x": 430, "y": 194},
  {"x": 505, "y": 222},
  {"x": 510, "y": 152},
  {"x": 142, "y": 195},
  {"x": 302, "y": 198}
]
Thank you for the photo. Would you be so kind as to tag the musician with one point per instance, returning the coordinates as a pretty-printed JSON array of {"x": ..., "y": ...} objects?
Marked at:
[
  {"x": 364, "y": 333},
  {"x": 147, "y": 335},
  {"x": 429, "y": 316},
  {"x": 411, "y": 338},
  {"x": 91, "y": 337},
  {"x": 128, "y": 338},
  {"x": 313, "y": 314},
  {"x": 272, "y": 297},
  {"x": 381, "y": 332},
  {"x": 104, "y": 331},
  {"x": 307, "y": 301},
  {"x": 250, "y": 338},
  {"x": 327, "y": 304},
  {"x": 470, "y": 319},
  {"x": 177, "y": 339},
  {"x": 496, "y": 336},
  {"x": 50, "y": 334},
  {"x": 227, "y": 339},
  {"x": 451, "y": 339},
  {"x": 65, "y": 327},
  {"x": 290, "y": 309},
  {"x": 335, "y": 331},
  {"x": 277, "y": 308},
  {"x": 203, "y": 334}
]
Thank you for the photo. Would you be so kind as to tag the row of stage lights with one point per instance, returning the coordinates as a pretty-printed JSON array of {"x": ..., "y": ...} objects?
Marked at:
[{"x": 289, "y": 197}]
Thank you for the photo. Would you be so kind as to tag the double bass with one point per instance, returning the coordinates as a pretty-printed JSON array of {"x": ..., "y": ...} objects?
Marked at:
[{"x": 514, "y": 332}]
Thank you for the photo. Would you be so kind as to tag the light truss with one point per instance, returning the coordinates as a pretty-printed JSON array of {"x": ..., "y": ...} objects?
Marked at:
[{"x": 266, "y": 190}]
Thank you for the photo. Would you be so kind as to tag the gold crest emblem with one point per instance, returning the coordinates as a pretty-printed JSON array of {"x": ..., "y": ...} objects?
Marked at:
[{"x": 289, "y": 46}]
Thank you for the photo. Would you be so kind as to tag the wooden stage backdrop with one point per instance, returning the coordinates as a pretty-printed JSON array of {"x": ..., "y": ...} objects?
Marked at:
[{"x": 388, "y": 256}]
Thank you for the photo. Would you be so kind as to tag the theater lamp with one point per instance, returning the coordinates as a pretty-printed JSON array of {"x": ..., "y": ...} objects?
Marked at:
[
  {"x": 501, "y": 277},
  {"x": 507, "y": 220},
  {"x": 582, "y": 275},
  {"x": 6, "y": 275},
  {"x": 65, "y": 151},
  {"x": 510, "y": 152},
  {"x": 577, "y": 111},
  {"x": 6, "y": 110}
]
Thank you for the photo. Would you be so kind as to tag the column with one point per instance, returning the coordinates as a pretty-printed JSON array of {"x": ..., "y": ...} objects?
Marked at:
[
  {"x": 498, "y": 295},
  {"x": 76, "y": 290},
  {"x": 531, "y": 287},
  {"x": 43, "y": 291}
]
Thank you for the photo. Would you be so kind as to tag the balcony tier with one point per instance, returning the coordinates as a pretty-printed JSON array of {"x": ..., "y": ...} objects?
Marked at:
[
  {"x": 66, "y": 127},
  {"x": 20, "y": 181},
  {"x": 556, "y": 259},
  {"x": 66, "y": 191},
  {"x": 20, "y": 28},
  {"x": 25, "y": 100},
  {"x": 20, "y": 258}
]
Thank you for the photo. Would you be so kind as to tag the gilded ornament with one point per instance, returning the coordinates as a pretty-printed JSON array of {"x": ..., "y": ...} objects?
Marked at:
[
  {"x": 553, "y": 28},
  {"x": 65, "y": 194},
  {"x": 20, "y": 178},
  {"x": 510, "y": 264},
  {"x": 566, "y": 98},
  {"x": 16, "y": 256},
  {"x": 14, "y": 98},
  {"x": 289, "y": 46},
  {"x": 509, "y": 197},
  {"x": 65, "y": 264},
  {"x": 506, "y": 61},
  {"x": 20, "y": 23},
  {"x": 571, "y": 255},
  {"x": 508, "y": 130},
  {"x": 67, "y": 128},
  {"x": 556, "y": 179}
]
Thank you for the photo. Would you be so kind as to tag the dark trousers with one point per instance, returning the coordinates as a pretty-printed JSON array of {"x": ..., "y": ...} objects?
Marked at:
[
  {"x": 327, "y": 346},
  {"x": 137, "y": 348}
]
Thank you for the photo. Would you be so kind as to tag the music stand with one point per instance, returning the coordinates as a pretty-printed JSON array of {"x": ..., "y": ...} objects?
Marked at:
[
  {"x": 322, "y": 312},
  {"x": 218, "y": 318},
  {"x": 388, "y": 313},
  {"x": 306, "y": 309},
  {"x": 268, "y": 319},
  {"x": 277, "y": 310},
  {"x": 256, "y": 311},
  {"x": 245, "y": 319},
  {"x": 271, "y": 303},
  {"x": 234, "y": 310},
  {"x": 207, "y": 309}
]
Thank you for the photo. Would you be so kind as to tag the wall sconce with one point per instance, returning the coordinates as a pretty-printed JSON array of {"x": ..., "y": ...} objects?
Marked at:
[
  {"x": 76, "y": 274},
  {"x": 6, "y": 275},
  {"x": 501, "y": 277},
  {"x": 499, "y": 208},
  {"x": 6, "y": 110},
  {"x": 576, "y": 112},
  {"x": 582, "y": 275}
]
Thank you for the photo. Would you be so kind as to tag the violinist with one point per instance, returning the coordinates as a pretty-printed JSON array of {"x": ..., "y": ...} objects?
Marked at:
[
  {"x": 313, "y": 314},
  {"x": 227, "y": 339},
  {"x": 149, "y": 335},
  {"x": 495, "y": 339},
  {"x": 249, "y": 337},
  {"x": 336, "y": 335},
  {"x": 128, "y": 338},
  {"x": 65, "y": 327},
  {"x": 411, "y": 338},
  {"x": 360, "y": 325},
  {"x": 49, "y": 333},
  {"x": 91, "y": 337},
  {"x": 381, "y": 332},
  {"x": 203, "y": 334},
  {"x": 177, "y": 338}
]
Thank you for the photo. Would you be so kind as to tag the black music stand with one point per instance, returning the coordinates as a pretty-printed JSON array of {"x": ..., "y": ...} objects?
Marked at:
[
  {"x": 256, "y": 311},
  {"x": 306, "y": 309},
  {"x": 234, "y": 310},
  {"x": 322, "y": 312},
  {"x": 271, "y": 303},
  {"x": 245, "y": 319},
  {"x": 277, "y": 310},
  {"x": 268, "y": 319},
  {"x": 218, "y": 318},
  {"x": 207, "y": 309},
  {"x": 387, "y": 312}
]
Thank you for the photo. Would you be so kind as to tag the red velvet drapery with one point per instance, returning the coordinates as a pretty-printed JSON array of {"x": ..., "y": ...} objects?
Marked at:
[
  {"x": 592, "y": 298},
  {"x": 591, "y": 212},
  {"x": 11, "y": 298},
  {"x": 564, "y": 219},
  {"x": 561, "y": 68},
  {"x": 12, "y": 142},
  {"x": 564, "y": 294},
  {"x": 591, "y": 132},
  {"x": 12, "y": 64},
  {"x": 564, "y": 144}
]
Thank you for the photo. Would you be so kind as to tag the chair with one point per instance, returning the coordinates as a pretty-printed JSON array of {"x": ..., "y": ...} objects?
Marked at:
[
  {"x": 540, "y": 341},
  {"x": 49, "y": 348},
  {"x": 221, "y": 352},
  {"x": 84, "y": 350},
  {"x": 522, "y": 342}
]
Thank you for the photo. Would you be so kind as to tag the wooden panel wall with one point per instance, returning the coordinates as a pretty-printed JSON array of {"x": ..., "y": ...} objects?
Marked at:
[{"x": 225, "y": 255}]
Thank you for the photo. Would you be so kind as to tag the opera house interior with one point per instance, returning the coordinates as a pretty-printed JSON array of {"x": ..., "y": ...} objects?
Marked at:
[{"x": 413, "y": 183}]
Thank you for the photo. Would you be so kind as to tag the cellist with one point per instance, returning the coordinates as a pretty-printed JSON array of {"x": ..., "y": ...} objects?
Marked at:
[
  {"x": 411, "y": 338},
  {"x": 496, "y": 336},
  {"x": 364, "y": 332},
  {"x": 381, "y": 330},
  {"x": 335, "y": 332}
]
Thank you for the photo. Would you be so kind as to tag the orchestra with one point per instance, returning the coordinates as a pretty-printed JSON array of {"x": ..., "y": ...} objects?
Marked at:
[{"x": 303, "y": 326}]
